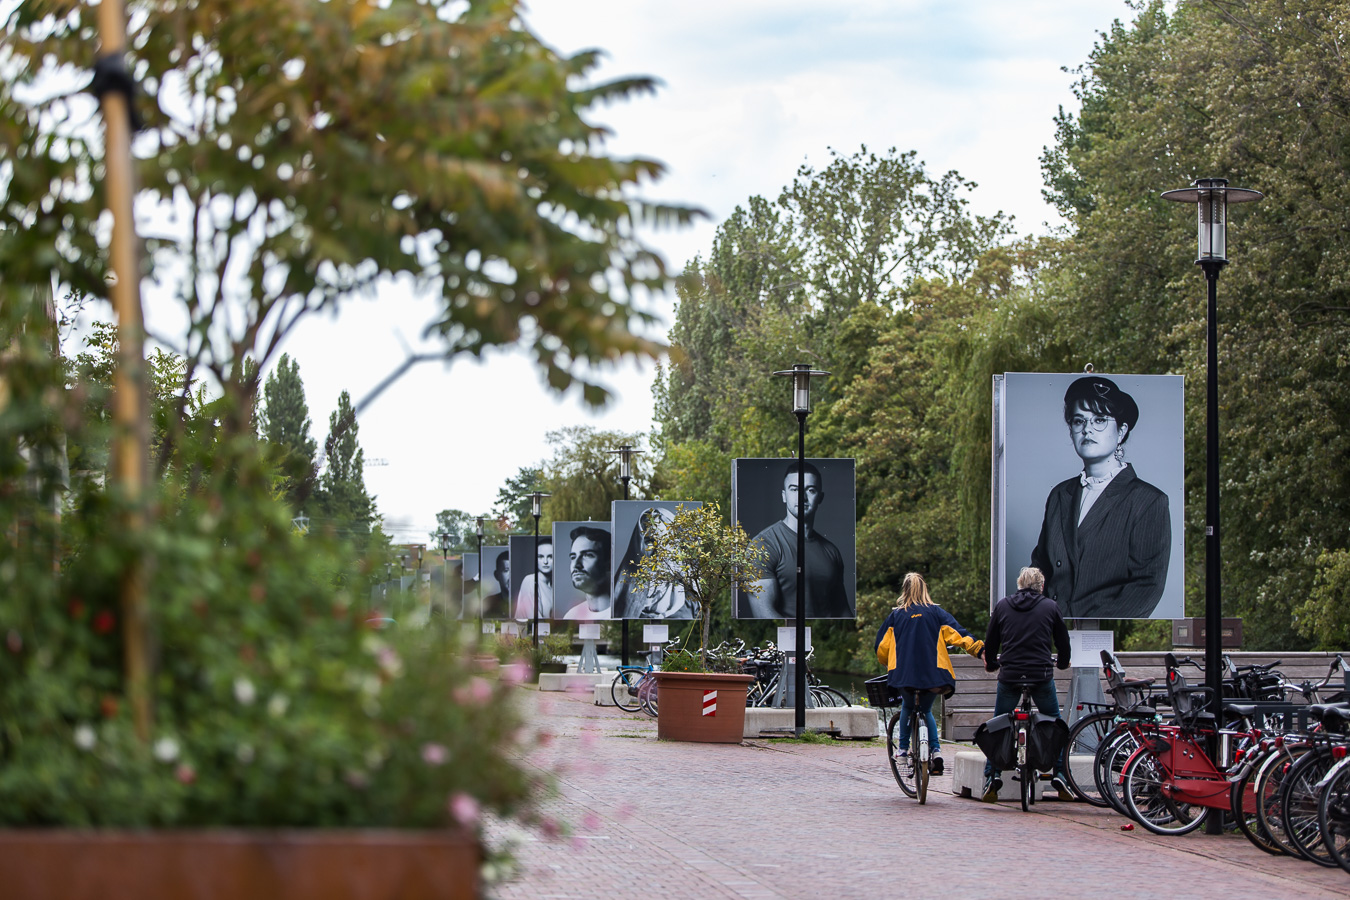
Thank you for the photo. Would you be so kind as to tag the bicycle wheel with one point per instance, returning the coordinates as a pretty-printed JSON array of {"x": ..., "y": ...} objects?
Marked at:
[
  {"x": 1086, "y": 736},
  {"x": 1299, "y": 802},
  {"x": 903, "y": 770},
  {"x": 1027, "y": 778},
  {"x": 1109, "y": 769},
  {"x": 1269, "y": 790},
  {"x": 1149, "y": 805},
  {"x": 623, "y": 690},
  {"x": 1243, "y": 804},
  {"x": 920, "y": 759},
  {"x": 647, "y": 694},
  {"x": 1333, "y": 817},
  {"x": 829, "y": 696}
]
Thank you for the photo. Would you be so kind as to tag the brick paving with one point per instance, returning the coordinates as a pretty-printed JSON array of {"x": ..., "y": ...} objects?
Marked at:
[{"x": 768, "y": 819}]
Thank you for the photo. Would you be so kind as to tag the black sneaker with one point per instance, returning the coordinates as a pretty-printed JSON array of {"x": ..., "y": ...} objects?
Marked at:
[
  {"x": 1062, "y": 787},
  {"x": 992, "y": 786},
  {"x": 935, "y": 766}
]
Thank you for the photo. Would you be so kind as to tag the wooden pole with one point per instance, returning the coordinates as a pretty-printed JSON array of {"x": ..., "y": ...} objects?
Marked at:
[{"x": 130, "y": 425}]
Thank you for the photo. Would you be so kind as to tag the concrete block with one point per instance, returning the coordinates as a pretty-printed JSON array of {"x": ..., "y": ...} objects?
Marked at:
[
  {"x": 571, "y": 682},
  {"x": 603, "y": 695},
  {"x": 846, "y": 721},
  {"x": 968, "y": 779}
]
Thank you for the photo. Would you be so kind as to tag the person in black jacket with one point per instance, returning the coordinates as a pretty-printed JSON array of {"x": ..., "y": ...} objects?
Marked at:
[{"x": 1018, "y": 647}]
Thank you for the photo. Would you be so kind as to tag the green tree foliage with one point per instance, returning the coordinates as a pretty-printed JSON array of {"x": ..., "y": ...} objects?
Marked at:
[
  {"x": 300, "y": 154},
  {"x": 582, "y": 476},
  {"x": 512, "y": 509},
  {"x": 341, "y": 500},
  {"x": 705, "y": 556},
  {"x": 285, "y": 425},
  {"x": 874, "y": 270},
  {"x": 1254, "y": 92}
]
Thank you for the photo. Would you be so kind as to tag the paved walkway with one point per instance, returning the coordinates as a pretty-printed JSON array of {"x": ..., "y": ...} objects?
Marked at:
[{"x": 771, "y": 819}]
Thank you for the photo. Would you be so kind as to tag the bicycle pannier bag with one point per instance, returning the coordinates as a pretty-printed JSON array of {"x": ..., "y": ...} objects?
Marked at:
[
  {"x": 1046, "y": 740},
  {"x": 998, "y": 739}
]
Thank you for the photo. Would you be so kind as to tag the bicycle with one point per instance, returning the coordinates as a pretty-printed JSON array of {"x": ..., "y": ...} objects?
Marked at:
[
  {"x": 912, "y": 769},
  {"x": 1025, "y": 741},
  {"x": 634, "y": 687}
]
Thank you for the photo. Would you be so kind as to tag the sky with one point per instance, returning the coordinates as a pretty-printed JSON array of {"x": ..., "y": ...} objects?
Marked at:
[{"x": 751, "y": 89}]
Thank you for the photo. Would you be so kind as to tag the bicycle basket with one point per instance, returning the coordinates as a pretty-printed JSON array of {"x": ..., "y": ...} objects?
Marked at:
[
  {"x": 880, "y": 694},
  {"x": 998, "y": 739}
]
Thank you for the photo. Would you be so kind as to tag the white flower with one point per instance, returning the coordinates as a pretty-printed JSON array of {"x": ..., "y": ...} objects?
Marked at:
[
  {"x": 276, "y": 707},
  {"x": 85, "y": 737},
  {"x": 166, "y": 749},
  {"x": 244, "y": 691},
  {"x": 244, "y": 753}
]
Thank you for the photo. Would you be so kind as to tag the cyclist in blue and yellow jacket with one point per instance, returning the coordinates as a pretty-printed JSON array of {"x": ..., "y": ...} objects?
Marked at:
[{"x": 912, "y": 645}]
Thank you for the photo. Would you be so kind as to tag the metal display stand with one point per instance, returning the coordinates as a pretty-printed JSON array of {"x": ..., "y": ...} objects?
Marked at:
[
  {"x": 589, "y": 664},
  {"x": 785, "y": 696},
  {"x": 1085, "y": 684}
]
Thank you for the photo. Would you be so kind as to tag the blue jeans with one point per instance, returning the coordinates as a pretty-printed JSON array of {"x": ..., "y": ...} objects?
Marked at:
[
  {"x": 1005, "y": 701},
  {"x": 925, "y": 700}
]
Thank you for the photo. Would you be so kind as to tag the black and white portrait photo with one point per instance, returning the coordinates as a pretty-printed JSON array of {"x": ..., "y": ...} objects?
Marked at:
[
  {"x": 529, "y": 567},
  {"x": 1090, "y": 491},
  {"x": 631, "y": 520},
  {"x": 764, "y": 501},
  {"x": 469, "y": 589},
  {"x": 496, "y": 586},
  {"x": 581, "y": 590}
]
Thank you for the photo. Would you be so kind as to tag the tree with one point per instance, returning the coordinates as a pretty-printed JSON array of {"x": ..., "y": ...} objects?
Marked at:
[
  {"x": 582, "y": 476},
  {"x": 462, "y": 528},
  {"x": 298, "y": 155},
  {"x": 341, "y": 498},
  {"x": 512, "y": 508},
  {"x": 1255, "y": 92},
  {"x": 286, "y": 424},
  {"x": 705, "y": 556}
]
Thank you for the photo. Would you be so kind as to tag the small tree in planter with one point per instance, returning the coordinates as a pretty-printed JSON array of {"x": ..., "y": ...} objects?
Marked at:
[{"x": 703, "y": 555}]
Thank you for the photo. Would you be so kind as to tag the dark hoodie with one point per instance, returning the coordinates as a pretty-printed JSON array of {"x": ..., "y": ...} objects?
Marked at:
[{"x": 1021, "y": 630}]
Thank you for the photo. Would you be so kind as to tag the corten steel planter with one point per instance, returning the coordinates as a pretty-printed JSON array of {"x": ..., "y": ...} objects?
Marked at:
[
  {"x": 323, "y": 864},
  {"x": 684, "y": 707}
]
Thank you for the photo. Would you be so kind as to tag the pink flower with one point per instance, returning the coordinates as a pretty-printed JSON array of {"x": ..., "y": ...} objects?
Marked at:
[
  {"x": 435, "y": 754},
  {"x": 463, "y": 808},
  {"x": 476, "y": 693},
  {"x": 515, "y": 672},
  {"x": 550, "y": 828},
  {"x": 591, "y": 822},
  {"x": 185, "y": 773},
  {"x": 587, "y": 739}
]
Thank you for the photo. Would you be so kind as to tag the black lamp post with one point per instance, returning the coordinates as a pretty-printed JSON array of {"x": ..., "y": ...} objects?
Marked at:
[
  {"x": 536, "y": 510},
  {"x": 1212, "y": 196},
  {"x": 801, "y": 406},
  {"x": 444, "y": 538},
  {"x": 626, "y": 454},
  {"x": 478, "y": 587}
]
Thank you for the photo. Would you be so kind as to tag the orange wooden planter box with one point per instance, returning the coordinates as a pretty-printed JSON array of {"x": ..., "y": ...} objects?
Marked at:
[
  {"x": 683, "y": 707},
  {"x": 323, "y": 864}
]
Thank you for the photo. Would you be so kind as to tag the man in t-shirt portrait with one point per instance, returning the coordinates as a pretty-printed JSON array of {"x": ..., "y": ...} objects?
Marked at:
[{"x": 826, "y": 597}]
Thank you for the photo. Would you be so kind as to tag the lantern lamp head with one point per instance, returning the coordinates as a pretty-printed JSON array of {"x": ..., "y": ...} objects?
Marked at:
[
  {"x": 1211, "y": 197},
  {"x": 801, "y": 386}
]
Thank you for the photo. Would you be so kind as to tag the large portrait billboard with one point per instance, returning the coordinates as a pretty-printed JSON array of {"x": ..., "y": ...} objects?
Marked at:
[
  {"x": 1089, "y": 488},
  {"x": 630, "y": 519},
  {"x": 496, "y": 586},
  {"x": 581, "y": 587},
  {"x": 469, "y": 589},
  {"x": 764, "y": 502},
  {"x": 527, "y": 568}
]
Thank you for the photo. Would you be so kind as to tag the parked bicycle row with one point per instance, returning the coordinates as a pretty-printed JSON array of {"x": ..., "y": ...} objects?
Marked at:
[{"x": 634, "y": 687}]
